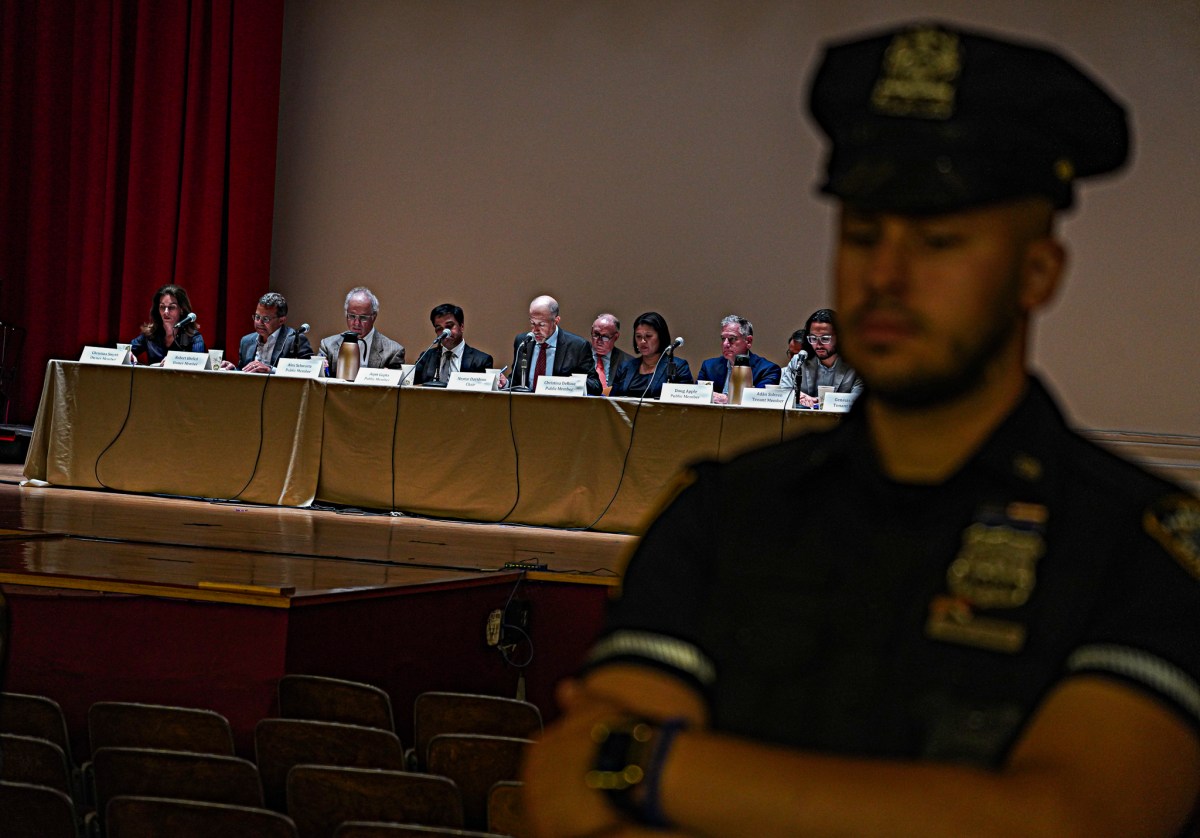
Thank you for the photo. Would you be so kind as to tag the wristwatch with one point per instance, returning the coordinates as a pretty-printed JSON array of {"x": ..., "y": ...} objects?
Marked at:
[{"x": 630, "y": 753}]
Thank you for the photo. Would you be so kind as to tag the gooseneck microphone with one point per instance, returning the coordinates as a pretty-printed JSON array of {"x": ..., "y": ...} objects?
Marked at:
[
  {"x": 435, "y": 381},
  {"x": 799, "y": 374},
  {"x": 294, "y": 349},
  {"x": 675, "y": 344},
  {"x": 670, "y": 352},
  {"x": 191, "y": 318}
]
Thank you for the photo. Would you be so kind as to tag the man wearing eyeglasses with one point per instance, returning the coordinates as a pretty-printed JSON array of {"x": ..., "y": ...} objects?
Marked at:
[
  {"x": 824, "y": 367},
  {"x": 549, "y": 350},
  {"x": 271, "y": 339},
  {"x": 737, "y": 336},
  {"x": 378, "y": 350},
  {"x": 606, "y": 355}
]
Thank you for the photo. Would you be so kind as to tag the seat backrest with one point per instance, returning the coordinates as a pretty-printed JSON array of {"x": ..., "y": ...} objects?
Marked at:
[
  {"x": 451, "y": 712},
  {"x": 28, "y": 759},
  {"x": 476, "y": 763},
  {"x": 506, "y": 810},
  {"x": 366, "y": 829},
  {"x": 138, "y": 817},
  {"x": 144, "y": 772},
  {"x": 320, "y": 797},
  {"x": 29, "y": 811},
  {"x": 35, "y": 715},
  {"x": 334, "y": 700},
  {"x": 280, "y": 744},
  {"x": 123, "y": 724}
]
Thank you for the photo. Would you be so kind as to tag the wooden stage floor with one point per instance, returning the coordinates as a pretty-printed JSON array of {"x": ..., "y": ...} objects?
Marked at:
[{"x": 171, "y": 600}]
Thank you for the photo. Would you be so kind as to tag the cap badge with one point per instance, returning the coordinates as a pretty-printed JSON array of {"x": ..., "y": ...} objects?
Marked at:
[{"x": 918, "y": 76}]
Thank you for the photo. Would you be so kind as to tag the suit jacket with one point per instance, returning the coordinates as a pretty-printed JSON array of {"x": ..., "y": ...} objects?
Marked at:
[
  {"x": 572, "y": 354},
  {"x": 472, "y": 361},
  {"x": 845, "y": 379},
  {"x": 764, "y": 372},
  {"x": 288, "y": 344},
  {"x": 615, "y": 358},
  {"x": 622, "y": 382},
  {"x": 385, "y": 352}
]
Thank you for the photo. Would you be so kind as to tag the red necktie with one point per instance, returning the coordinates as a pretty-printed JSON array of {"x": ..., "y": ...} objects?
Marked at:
[
  {"x": 600, "y": 372},
  {"x": 539, "y": 369}
]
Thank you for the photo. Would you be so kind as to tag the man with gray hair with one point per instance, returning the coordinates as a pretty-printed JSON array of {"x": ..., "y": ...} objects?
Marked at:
[
  {"x": 379, "y": 351},
  {"x": 737, "y": 335},
  {"x": 547, "y": 349},
  {"x": 271, "y": 339}
]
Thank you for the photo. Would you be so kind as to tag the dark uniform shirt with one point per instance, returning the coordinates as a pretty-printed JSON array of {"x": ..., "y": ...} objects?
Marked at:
[{"x": 894, "y": 620}]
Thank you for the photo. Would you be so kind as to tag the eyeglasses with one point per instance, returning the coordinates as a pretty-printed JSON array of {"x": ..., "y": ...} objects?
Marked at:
[
  {"x": 359, "y": 318},
  {"x": 602, "y": 336},
  {"x": 263, "y": 318},
  {"x": 825, "y": 339}
]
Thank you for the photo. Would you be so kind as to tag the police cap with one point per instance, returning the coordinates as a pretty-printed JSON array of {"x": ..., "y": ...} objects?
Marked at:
[{"x": 930, "y": 119}]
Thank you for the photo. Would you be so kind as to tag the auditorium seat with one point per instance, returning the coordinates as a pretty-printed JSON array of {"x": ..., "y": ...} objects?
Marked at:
[
  {"x": 39, "y": 762},
  {"x": 123, "y": 724},
  {"x": 334, "y": 700},
  {"x": 475, "y": 763},
  {"x": 454, "y": 712},
  {"x": 280, "y": 744},
  {"x": 321, "y": 797},
  {"x": 29, "y": 811},
  {"x": 506, "y": 810},
  {"x": 35, "y": 715},
  {"x": 152, "y": 817},
  {"x": 183, "y": 775},
  {"x": 364, "y": 829}
]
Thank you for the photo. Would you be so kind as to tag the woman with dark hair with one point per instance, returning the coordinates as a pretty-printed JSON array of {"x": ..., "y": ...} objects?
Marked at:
[
  {"x": 162, "y": 334},
  {"x": 644, "y": 375}
]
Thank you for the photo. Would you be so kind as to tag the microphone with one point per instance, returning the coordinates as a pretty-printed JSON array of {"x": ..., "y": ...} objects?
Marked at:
[
  {"x": 803, "y": 353},
  {"x": 445, "y": 334},
  {"x": 303, "y": 329},
  {"x": 294, "y": 351},
  {"x": 433, "y": 382},
  {"x": 191, "y": 318},
  {"x": 528, "y": 337},
  {"x": 675, "y": 344},
  {"x": 522, "y": 363}
]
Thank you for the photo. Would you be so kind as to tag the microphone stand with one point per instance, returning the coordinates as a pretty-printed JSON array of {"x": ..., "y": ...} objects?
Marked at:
[
  {"x": 523, "y": 363},
  {"x": 421, "y": 358},
  {"x": 671, "y": 364}
]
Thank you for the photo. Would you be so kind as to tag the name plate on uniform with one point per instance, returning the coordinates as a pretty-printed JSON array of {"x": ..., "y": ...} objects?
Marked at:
[
  {"x": 485, "y": 381},
  {"x": 698, "y": 393},
  {"x": 774, "y": 397},
  {"x": 838, "y": 402},
  {"x": 562, "y": 385},
  {"x": 300, "y": 367},
  {"x": 105, "y": 355},
  {"x": 378, "y": 377},
  {"x": 186, "y": 361}
]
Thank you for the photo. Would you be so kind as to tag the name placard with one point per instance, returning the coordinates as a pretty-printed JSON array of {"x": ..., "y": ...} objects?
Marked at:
[
  {"x": 378, "y": 377},
  {"x": 186, "y": 361},
  {"x": 481, "y": 381},
  {"x": 698, "y": 393},
  {"x": 105, "y": 355},
  {"x": 561, "y": 385},
  {"x": 300, "y": 367},
  {"x": 773, "y": 398},
  {"x": 838, "y": 402}
]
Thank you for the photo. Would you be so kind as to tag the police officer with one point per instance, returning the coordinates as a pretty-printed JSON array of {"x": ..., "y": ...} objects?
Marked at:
[{"x": 992, "y": 627}]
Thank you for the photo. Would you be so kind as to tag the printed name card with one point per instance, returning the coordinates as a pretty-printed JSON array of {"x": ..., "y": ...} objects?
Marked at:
[
  {"x": 774, "y": 397},
  {"x": 105, "y": 355},
  {"x": 562, "y": 385},
  {"x": 300, "y": 367},
  {"x": 838, "y": 402},
  {"x": 378, "y": 377},
  {"x": 698, "y": 393},
  {"x": 480, "y": 381},
  {"x": 186, "y": 361}
]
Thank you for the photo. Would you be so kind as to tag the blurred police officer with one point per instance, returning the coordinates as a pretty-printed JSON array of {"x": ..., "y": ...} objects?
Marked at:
[{"x": 999, "y": 632}]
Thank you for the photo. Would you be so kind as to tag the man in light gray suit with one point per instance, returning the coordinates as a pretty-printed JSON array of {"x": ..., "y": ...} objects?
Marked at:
[
  {"x": 380, "y": 351},
  {"x": 824, "y": 367}
]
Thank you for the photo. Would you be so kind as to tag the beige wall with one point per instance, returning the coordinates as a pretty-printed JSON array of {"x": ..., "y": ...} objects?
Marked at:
[{"x": 653, "y": 155}]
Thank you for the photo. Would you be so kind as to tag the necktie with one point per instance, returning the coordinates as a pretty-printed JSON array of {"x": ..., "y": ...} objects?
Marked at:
[
  {"x": 444, "y": 372},
  {"x": 600, "y": 372},
  {"x": 728, "y": 377},
  {"x": 539, "y": 368}
]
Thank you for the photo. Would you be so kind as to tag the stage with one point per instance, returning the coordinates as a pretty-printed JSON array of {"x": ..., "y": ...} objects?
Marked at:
[{"x": 170, "y": 600}]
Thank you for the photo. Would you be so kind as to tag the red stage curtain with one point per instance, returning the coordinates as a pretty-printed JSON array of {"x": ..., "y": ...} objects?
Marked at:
[{"x": 137, "y": 148}]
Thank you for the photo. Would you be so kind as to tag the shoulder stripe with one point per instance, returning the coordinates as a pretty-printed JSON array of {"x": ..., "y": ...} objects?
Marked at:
[
  {"x": 667, "y": 651},
  {"x": 1152, "y": 671}
]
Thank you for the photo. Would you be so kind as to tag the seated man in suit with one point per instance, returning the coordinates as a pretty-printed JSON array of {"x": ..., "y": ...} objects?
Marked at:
[
  {"x": 737, "y": 335},
  {"x": 549, "y": 350},
  {"x": 380, "y": 351},
  {"x": 455, "y": 354},
  {"x": 606, "y": 355},
  {"x": 823, "y": 367},
  {"x": 271, "y": 339}
]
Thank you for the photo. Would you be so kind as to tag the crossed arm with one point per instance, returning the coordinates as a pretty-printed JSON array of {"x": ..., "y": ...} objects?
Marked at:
[{"x": 1098, "y": 758}]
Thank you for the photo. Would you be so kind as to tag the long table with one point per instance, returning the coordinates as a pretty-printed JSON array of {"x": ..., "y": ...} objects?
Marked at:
[{"x": 593, "y": 463}]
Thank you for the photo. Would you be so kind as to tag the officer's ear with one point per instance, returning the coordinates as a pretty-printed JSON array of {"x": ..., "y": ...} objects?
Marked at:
[{"x": 1042, "y": 270}]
